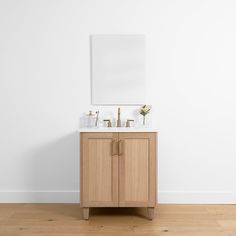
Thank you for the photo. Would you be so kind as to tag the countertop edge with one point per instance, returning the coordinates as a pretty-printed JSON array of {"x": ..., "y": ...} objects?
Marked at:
[{"x": 121, "y": 130}]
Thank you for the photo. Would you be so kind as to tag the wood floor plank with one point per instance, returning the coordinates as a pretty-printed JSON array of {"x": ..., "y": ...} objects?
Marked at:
[{"x": 66, "y": 220}]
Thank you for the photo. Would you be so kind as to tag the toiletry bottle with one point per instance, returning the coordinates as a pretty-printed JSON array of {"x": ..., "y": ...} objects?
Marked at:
[{"x": 91, "y": 120}]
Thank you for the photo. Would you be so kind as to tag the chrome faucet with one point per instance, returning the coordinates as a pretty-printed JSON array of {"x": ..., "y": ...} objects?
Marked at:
[{"x": 118, "y": 120}]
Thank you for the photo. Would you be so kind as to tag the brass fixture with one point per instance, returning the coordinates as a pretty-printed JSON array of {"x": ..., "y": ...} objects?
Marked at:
[
  {"x": 114, "y": 147},
  {"x": 128, "y": 123},
  {"x": 121, "y": 147},
  {"x": 119, "y": 120},
  {"x": 108, "y": 123}
]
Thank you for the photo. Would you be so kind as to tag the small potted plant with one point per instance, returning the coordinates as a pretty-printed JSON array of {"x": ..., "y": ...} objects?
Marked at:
[{"x": 144, "y": 110}]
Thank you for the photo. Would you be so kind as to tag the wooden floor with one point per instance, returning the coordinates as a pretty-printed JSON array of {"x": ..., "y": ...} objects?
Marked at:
[{"x": 66, "y": 219}]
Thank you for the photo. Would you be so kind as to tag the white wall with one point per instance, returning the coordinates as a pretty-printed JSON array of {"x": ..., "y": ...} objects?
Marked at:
[{"x": 45, "y": 88}]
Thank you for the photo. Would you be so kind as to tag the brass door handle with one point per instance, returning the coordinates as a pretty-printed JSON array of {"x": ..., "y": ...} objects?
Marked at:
[
  {"x": 114, "y": 148},
  {"x": 121, "y": 144}
]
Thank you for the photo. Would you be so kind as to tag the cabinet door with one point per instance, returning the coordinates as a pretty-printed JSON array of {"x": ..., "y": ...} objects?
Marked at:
[
  {"x": 137, "y": 169},
  {"x": 99, "y": 169}
]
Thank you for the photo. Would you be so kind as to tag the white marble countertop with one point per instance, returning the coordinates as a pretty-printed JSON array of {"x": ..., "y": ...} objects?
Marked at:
[{"x": 115, "y": 129}]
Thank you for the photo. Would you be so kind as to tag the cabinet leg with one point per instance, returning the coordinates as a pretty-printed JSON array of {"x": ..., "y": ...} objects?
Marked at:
[
  {"x": 85, "y": 213},
  {"x": 151, "y": 212}
]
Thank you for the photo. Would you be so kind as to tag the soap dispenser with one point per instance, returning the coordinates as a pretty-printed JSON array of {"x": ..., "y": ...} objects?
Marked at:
[{"x": 91, "y": 119}]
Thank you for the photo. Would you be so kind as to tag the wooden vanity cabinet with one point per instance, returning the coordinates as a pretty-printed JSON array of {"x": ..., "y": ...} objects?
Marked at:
[{"x": 118, "y": 170}]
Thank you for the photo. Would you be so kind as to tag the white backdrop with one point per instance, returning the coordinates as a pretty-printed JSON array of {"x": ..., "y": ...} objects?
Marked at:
[{"x": 45, "y": 88}]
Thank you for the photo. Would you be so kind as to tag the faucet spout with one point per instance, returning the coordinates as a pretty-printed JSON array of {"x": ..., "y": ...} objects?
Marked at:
[{"x": 118, "y": 120}]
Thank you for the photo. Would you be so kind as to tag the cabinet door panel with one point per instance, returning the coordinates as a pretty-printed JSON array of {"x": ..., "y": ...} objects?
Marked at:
[
  {"x": 99, "y": 177},
  {"x": 137, "y": 169}
]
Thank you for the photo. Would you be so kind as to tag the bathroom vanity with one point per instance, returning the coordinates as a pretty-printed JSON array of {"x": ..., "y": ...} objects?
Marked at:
[{"x": 118, "y": 168}]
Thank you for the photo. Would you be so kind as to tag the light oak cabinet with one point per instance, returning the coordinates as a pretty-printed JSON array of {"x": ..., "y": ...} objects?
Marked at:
[{"x": 118, "y": 170}]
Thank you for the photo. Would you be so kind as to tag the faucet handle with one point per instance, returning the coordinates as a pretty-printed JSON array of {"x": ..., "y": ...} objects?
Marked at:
[
  {"x": 108, "y": 123},
  {"x": 128, "y": 122}
]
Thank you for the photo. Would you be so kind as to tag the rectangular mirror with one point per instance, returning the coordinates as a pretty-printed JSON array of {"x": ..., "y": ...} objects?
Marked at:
[{"x": 118, "y": 69}]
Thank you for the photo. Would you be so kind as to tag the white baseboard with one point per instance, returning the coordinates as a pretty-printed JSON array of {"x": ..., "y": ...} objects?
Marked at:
[
  {"x": 187, "y": 197},
  {"x": 39, "y": 197},
  {"x": 164, "y": 197}
]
